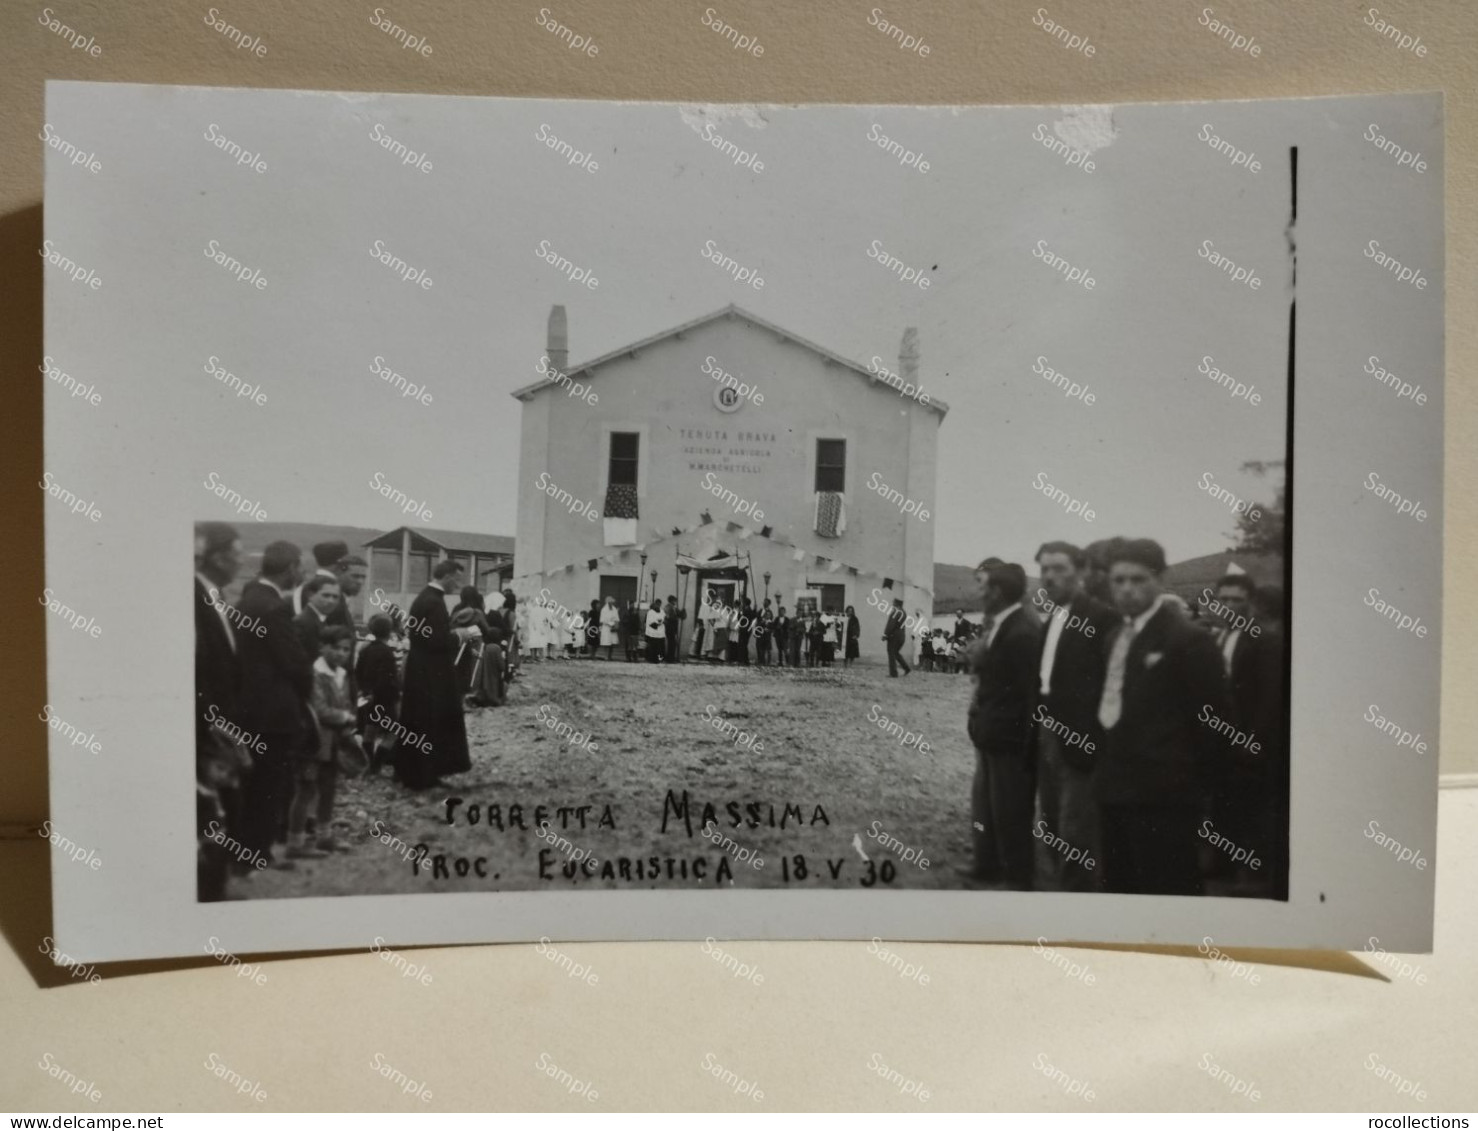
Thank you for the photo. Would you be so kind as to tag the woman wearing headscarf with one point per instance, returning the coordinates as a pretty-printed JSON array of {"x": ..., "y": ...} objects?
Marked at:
[{"x": 610, "y": 624}]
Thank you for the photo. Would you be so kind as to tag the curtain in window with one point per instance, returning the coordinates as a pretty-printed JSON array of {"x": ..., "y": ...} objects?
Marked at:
[{"x": 831, "y": 514}]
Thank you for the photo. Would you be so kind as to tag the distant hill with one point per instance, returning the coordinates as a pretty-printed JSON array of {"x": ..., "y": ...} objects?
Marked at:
[{"x": 255, "y": 536}]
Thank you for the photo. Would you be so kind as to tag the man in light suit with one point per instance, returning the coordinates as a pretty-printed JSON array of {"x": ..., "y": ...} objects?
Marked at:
[
  {"x": 1068, "y": 736},
  {"x": 1162, "y": 674},
  {"x": 1003, "y": 661}
]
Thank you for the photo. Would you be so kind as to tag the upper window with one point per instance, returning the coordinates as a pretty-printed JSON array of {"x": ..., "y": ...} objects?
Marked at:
[
  {"x": 624, "y": 449},
  {"x": 831, "y": 465}
]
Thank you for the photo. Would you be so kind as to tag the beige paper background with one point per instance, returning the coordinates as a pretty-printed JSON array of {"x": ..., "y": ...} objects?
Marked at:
[{"x": 145, "y": 1033}]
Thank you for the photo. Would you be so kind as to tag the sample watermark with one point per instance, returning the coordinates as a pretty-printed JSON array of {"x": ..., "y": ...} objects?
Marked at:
[
  {"x": 243, "y": 1086},
  {"x": 1067, "y": 39},
  {"x": 408, "y": 1087},
  {"x": 573, "y": 42},
  {"x": 251, "y": 44},
  {"x": 243, "y": 505},
  {"x": 1235, "y": 389},
  {"x": 1071, "y": 853},
  {"x": 409, "y": 621},
  {"x": 1069, "y": 968},
  {"x": 1069, "y": 389},
  {"x": 1398, "y": 153},
  {"x": 75, "y": 388},
  {"x": 1237, "y": 156},
  {"x": 1403, "y": 1086},
  {"x": 416, "y": 276},
  {"x": 572, "y": 156},
  {"x": 577, "y": 970},
  {"x": 1226, "y": 962},
  {"x": 1397, "y": 269},
  {"x": 1403, "y": 389},
  {"x": 74, "y": 619},
  {"x": 906, "y": 738},
  {"x": 414, "y": 856},
  {"x": 1236, "y": 274},
  {"x": 1074, "y": 622},
  {"x": 1066, "y": 734},
  {"x": 1072, "y": 155},
  {"x": 407, "y": 155},
  {"x": 1239, "y": 853},
  {"x": 1234, "y": 736},
  {"x": 48, "y": 947},
  {"x": 742, "y": 854},
  {"x": 902, "y": 271},
  {"x": 566, "y": 1080},
  {"x": 1234, "y": 39},
  {"x": 574, "y": 857},
  {"x": 906, "y": 1085},
  {"x": 1404, "y": 622},
  {"x": 243, "y": 156},
  {"x": 905, "y": 505},
  {"x": 1068, "y": 503},
  {"x": 73, "y": 502},
  {"x": 579, "y": 276},
  {"x": 1068, "y": 1084},
  {"x": 1239, "y": 1086},
  {"x": 1394, "y": 962},
  {"x": 217, "y": 834},
  {"x": 740, "y": 506},
  {"x": 571, "y": 504},
  {"x": 75, "y": 1084},
  {"x": 906, "y": 853},
  {"x": 243, "y": 389},
  {"x": 1403, "y": 737},
  {"x": 555, "y": 376},
  {"x": 894, "y": 961},
  {"x": 1402, "y": 504},
  {"x": 571, "y": 735},
  {"x": 407, "y": 505},
  {"x": 1401, "y": 852},
  {"x": 730, "y": 963},
  {"x": 1234, "y": 503},
  {"x": 87, "y": 44},
  {"x": 70, "y": 268},
  {"x": 75, "y": 155},
  {"x": 907, "y": 158},
  {"x": 407, "y": 968},
  {"x": 407, "y": 41},
  {"x": 905, "y": 41},
  {"x": 251, "y": 276},
  {"x": 1067, "y": 270},
  {"x": 741, "y": 1086},
  {"x": 715, "y": 718},
  {"x": 251, "y": 973},
  {"x": 78, "y": 854},
  {"x": 727, "y": 380},
  {"x": 876, "y": 367},
  {"x": 740, "y": 157},
  {"x": 408, "y": 389},
  {"x": 744, "y": 276},
  {"x": 1401, "y": 39},
  {"x": 737, "y": 41}
]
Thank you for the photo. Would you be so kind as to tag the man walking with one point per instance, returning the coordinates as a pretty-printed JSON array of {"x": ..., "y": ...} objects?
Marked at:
[
  {"x": 1003, "y": 662},
  {"x": 894, "y": 635}
]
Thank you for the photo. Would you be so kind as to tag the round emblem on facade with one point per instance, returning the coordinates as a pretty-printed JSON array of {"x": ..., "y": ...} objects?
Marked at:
[{"x": 727, "y": 398}]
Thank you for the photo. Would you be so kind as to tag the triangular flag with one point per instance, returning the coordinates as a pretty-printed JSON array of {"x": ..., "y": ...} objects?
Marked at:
[
  {"x": 705, "y": 518},
  {"x": 676, "y": 531},
  {"x": 745, "y": 532},
  {"x": 833, "y": 567},
  {"x": 591, "y": 564},
  {"x": 1234, "y": 570},
  {"x": 887, "y": 583},
  {"x": 799, "y": 555},
  {"x": 765, "y": 531}
]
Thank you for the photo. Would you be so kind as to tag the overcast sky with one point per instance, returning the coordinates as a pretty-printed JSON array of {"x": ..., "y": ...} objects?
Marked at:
[{"x": 991, "y": 192}]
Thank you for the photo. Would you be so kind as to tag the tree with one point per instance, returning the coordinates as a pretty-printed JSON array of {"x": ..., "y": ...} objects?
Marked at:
[{"x": 1267, "y": 533}]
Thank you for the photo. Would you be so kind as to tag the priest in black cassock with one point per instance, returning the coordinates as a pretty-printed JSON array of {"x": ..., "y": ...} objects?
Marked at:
[{"x": 435, "y": 741}]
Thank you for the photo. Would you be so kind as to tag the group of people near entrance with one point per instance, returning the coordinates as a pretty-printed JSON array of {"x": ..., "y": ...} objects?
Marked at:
[
  {"x": 289, "y": 700},
  {"x": 813, "y": 639},
  {"x": 1135, "y": 740}
]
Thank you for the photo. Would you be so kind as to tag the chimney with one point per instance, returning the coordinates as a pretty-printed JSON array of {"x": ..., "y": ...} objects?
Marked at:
[
  {"x": 558, "y": 348},
  {"x": 908, "y": 357}
]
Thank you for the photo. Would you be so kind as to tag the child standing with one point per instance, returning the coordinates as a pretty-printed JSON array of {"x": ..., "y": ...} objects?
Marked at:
[
  {"x": 318, "y": 770},
  {"x": 378, "y": 677}
]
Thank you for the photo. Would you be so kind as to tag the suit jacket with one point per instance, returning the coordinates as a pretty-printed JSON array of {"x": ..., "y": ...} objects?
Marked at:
[
  {"x": 1161, "y": 752},
  {"x": 1246, "y": 680},
  {"x": 217, "y": 668},
  {"x": 307, "y": 624},
  {"x": 276, "y": 671},
  {"x": 1077, "y": 674},
  {"x": 893, "y": 630},
  {"x": 1006, "y": 686}
]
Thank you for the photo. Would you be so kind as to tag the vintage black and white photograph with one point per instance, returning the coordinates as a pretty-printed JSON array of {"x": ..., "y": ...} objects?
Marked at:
[{"x": 589, "y": 497}]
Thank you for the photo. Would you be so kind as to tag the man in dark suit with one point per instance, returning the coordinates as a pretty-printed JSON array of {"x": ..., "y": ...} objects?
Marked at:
[
  {"x": 1003, "y": 661},
  {"x": 276, "y": 682},
  {"x": 895, "y": 633},
  {"x": 1272, "y": 729},
  {"x": 220, "y": 765},
  {"x": 435, "y": 741},
  {"x": 321, "y": 599},
  {"x": 1162, "y": 675},
  {"x": 1068, "y": 736}
]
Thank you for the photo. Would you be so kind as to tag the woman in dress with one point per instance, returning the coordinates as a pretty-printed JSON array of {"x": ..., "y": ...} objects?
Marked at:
[
  {"x": 721, "y": 632},
  {"x": 854, "y": 637},
  {"x": 610, "y": 624}
]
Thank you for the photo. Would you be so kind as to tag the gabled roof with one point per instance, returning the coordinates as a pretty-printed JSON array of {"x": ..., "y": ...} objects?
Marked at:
[
  {"x": 451, "y": 540},
  {"x": 732, "y": 310}
]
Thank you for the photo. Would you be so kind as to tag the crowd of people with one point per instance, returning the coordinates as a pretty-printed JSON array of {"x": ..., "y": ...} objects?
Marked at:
[
  {"x": 1136, "y": 740},
  {"x": 289, "y": 701}
]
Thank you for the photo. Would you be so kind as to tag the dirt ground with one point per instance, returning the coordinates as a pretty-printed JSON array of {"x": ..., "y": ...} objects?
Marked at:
[{"x": 819, "y": 764}]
